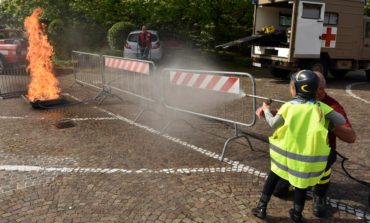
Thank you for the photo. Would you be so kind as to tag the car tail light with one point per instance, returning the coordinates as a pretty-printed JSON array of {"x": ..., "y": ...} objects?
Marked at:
[
  {"x": 127, "y": 46},
  {"x": 156, "y": 46}
]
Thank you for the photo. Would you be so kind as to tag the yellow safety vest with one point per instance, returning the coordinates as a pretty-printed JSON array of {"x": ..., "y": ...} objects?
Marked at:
[{"x": 299, "y": 149}]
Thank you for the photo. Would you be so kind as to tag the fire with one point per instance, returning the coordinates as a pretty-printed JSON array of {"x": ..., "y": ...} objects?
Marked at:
[{"x": 44, "y": 85}]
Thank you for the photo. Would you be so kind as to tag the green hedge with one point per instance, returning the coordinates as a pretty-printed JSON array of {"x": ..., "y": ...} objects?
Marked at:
[{"x": 117, "y": 34}]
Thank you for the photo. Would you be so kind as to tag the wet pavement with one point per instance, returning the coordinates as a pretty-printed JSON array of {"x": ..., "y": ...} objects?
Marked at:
[{"x": 108, "y": 168}]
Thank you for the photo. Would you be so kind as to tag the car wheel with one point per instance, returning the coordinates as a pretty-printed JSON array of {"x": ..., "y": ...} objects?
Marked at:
[
  {"x": 339, "y": 74},
  {"x": 279, "y": 73},
  {"x": 368, "y": 75}
]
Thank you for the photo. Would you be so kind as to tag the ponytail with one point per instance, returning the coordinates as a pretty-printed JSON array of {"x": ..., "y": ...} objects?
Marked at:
[{"x": 319, "y": 111}]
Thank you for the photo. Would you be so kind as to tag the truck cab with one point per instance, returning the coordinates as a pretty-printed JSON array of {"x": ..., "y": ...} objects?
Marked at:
[{"x": 325, "y": 35}]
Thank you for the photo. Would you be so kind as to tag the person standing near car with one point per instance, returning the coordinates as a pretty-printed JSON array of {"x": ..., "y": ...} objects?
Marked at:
[{"x": 145, "y": 43}]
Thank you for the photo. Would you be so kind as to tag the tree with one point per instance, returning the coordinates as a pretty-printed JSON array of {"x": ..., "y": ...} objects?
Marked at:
[
  {"x": 86, "y": 22},
  {"x": 367, "y": 9}
]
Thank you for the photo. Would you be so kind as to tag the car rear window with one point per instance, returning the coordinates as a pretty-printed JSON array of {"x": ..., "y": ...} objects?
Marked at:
[{"x": 134, "y": 37}]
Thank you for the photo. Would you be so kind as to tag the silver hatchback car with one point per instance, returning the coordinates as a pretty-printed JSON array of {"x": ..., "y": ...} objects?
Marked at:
[{"x": 132, "y": 50}]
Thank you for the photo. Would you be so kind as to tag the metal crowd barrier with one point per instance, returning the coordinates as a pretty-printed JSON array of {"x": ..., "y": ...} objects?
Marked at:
[
  {"x": 13, "y": 82},
  {"x": 88, "y": 69},
  {"x": 130, "y": 76},
  {"x": 226, "y": 97},
  {"x": 113, "y": 75}
]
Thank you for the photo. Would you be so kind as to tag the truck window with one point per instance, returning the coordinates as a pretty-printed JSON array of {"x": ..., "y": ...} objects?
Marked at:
[
  {"x": 367, "y": 30},
  {"x": 285, "y": 20},
  {"x": 331, "y": 19},
  {"x": 311, "y": 11}
]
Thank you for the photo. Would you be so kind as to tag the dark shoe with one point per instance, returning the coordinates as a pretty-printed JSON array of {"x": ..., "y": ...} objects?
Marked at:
[
  {"x": 295, "y": 216},
  {"x": 259, "y": 212},
  {"x": 319, "y": 206}
]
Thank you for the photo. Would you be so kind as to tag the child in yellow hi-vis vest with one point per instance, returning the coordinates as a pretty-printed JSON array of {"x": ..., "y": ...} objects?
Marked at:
[{"x": 298, "y": 148}]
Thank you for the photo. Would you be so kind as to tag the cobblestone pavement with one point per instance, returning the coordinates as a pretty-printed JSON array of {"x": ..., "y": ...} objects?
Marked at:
[{"x": 108, "y": 168}]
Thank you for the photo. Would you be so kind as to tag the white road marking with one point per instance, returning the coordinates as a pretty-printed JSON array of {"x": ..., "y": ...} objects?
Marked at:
[
  {"x": 28, "y": 168},
  {"x": 13, "y": 117},
  {"x": 349, "y": 91},
  {"x": 235, "y": 164},
  {"x": 94, "y": 119},
  {"x": 73, "y": 119}
]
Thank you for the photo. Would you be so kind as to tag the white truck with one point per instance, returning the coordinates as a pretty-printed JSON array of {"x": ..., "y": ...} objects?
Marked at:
[{"x": 328, "y": 35}]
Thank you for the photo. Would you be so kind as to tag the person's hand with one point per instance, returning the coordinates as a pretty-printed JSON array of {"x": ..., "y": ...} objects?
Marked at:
[
  {"x": 259, "y": 112},
  {"x": 265, "y": 105}
]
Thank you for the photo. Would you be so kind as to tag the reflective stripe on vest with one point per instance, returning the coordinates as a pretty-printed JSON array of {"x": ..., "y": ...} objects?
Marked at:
[
  {"x": 308, "y": 159},
  {"x": 326, "y": 177},
  {"x": 295, "y": 173}
]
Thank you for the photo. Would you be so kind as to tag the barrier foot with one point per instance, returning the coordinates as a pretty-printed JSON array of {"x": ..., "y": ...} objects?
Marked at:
[
  {"x": 166, "y": 127},
  {"x": 139, "y": 115},
  {"x": 170, "y": 122},
  {"x": 12, "y": 94},
  {"x": 75, "y": 83},
  {"x": 104, "y": 93},
  {"x": 231, "y": 139},
  {"x": 142, "y": 111},
  {"x": 100, "y": 97}
]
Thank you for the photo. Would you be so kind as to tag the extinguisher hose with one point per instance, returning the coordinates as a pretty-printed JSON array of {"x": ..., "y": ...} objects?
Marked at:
[{"x": 344, "y": 159}]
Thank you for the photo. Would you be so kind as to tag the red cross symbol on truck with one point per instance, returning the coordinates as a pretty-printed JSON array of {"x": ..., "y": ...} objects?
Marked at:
[{"x": 328, "y": 36}]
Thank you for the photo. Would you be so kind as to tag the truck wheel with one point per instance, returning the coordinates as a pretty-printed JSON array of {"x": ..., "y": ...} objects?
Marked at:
[
  {"x": 318, "y": 65},
  {"x": 368, "y": 75},
  {"x": 339, "y": 74},
  {"x": 279, "y": 73}
]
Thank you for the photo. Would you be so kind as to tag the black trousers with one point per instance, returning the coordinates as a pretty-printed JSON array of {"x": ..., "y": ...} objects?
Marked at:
[
  {"x": 273, "y": 180},
  {"x": 144, "y": 53}
]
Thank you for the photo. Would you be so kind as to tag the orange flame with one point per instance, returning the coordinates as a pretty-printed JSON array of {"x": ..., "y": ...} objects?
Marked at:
[{"x": 44, "y": 85}]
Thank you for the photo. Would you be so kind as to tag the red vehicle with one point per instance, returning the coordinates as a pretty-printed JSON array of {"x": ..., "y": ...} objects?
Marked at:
[{"x": 13, "y": 48}]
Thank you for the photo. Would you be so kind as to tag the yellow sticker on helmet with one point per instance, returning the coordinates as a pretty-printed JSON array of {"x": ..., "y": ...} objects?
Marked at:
[{"x": 303, "y": 88}]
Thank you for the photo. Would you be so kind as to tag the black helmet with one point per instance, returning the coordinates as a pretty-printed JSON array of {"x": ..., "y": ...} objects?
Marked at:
[{"x": 306, "y": 84}]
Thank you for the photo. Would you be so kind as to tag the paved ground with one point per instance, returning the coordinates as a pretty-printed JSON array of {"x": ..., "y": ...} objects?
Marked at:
[{"x": 108, "y": 168}]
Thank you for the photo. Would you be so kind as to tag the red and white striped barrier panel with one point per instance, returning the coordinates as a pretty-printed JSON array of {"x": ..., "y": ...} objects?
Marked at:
[
  {"x": 206, "y": 81},
  {"x": 129, "y": 65}
]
